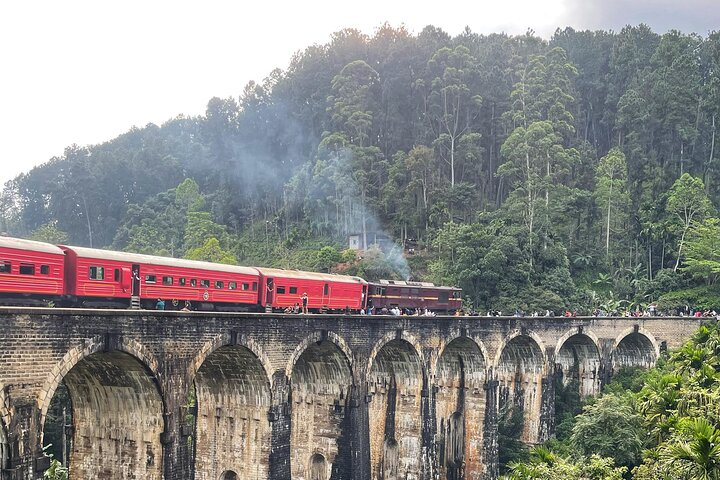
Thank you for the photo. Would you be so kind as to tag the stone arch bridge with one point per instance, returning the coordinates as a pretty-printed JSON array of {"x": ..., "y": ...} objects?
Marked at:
[{"x": 213, "y": 396}]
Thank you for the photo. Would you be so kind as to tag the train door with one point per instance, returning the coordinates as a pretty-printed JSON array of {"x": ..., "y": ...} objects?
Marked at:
[
  {"x": 364, "y": 297},
  {"x": 326, "y": 295},
  {"x": 135, "y": 280},
  {"x": 269, "y": 290}
]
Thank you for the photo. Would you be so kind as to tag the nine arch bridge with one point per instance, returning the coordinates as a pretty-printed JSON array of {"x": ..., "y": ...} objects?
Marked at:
[{"x": 212, "y": 396}]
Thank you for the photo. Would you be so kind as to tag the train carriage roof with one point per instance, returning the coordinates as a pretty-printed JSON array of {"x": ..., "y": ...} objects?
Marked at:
[
  {"x": 22, "y": 244},
  {"x": 297, "y": 274},
  {"x": 100, "y": 254}
]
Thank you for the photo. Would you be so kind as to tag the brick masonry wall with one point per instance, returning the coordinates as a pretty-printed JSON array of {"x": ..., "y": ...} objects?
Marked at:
[{"x": 374, "y": 391}]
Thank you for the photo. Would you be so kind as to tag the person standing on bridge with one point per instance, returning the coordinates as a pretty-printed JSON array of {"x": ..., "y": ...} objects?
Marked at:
[{"x": 304, "y": 300}]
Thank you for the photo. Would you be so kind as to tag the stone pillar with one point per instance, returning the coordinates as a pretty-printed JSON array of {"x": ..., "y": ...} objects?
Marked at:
[
  {"x": 490, "y": 434},
  {"x": 280, "y": 415},
  {"x": 606, "y": 366},
  {"x": 184, "y": 457},
  {"x": 169, "y": 441},
  {"x": 357, "y": 419},
  {"x": 429, "y": 430},
  {"x": 27, "y": 461},
  {"x": 547, "y": 408}
]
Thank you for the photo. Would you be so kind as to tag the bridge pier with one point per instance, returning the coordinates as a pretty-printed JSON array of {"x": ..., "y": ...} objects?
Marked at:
[{"x": 207, "y": 396}]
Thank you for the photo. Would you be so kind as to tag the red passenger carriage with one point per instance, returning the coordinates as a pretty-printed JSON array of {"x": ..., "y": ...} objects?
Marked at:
[
  {"x": 102, "y": 278},
  {"x": 326, "y": 292},
  {"x": 31, "y": 273}
]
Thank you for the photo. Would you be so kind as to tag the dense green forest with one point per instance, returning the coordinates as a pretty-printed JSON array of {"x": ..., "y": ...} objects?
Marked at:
[{"x": 575, "y": 173}]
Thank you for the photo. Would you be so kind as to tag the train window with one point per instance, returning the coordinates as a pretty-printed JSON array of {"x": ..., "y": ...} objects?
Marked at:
[
  {"x": 232, "y": 285},
  {"x": 246, "y": 286},
  {"x": 167, "y": 280},
  {"x": 44, "y": 269},
  {"x": 181, "y": 281},
  {"x": 205, "y": 283},
  {"x": 280, "y": 290},
  {"x": 117, "y": 275},
  {"x": 5, "y": 267},
  {"x": 415, "y": 291},
  {"x": 254, "y": 286},
  {"x": 193, "y": 282},
  {"x": 293, "y": 289},
  {"x": 456, "y": 294},
  {"x": 380, "y": 291},
  {"x": 150, "y": 279},
  {"x": 218, "y": 284},
  {"x": 96, "y": 273},
  {"x": 326, "y": 289},
  {"x": 27, "y": 269},
  {"x": 443, "y": 297}
]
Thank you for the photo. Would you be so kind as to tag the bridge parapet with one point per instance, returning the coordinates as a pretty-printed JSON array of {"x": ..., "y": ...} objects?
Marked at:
[{"x": 174, "y": 393}]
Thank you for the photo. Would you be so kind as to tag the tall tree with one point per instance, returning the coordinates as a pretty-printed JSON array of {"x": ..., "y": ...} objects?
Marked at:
[
  {"x": 611, "y": 193},
  {"x": 452, "y": 103},
  {"x": 687, "y": 202},
  {"x": 353, "y": 104}
]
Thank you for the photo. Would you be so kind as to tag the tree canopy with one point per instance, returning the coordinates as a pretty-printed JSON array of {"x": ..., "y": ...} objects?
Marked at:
[{"x": 535, "y": 174}]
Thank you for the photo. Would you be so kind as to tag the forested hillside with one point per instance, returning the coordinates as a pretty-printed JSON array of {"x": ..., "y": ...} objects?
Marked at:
[{"x": 575, "y": 173}]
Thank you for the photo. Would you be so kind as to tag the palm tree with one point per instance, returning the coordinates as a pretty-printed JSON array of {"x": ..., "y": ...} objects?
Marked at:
[{"x": 699, "y": 457}]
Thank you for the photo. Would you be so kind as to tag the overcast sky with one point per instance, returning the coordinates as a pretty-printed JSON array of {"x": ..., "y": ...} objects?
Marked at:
[{"x": 86, "y": 71}]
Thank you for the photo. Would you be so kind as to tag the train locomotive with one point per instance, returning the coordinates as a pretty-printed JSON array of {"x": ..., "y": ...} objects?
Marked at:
[{"x": 38, "y": 274}]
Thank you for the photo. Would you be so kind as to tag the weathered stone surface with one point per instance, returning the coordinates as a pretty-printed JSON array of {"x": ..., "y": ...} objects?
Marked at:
[{"x": 301, "y": 397}]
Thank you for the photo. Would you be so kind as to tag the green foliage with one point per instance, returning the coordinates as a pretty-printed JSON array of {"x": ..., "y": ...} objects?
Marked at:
[
  {"x": 610, "y": 428},
  {"x": 702, "y": 251},
  {"x": 680, "y": 407},
  {"x": 544, "y": 464},
  {"x": 510, "y": 427},
  {"x": 327, "y": 257},
  {"x": 56, "y": 471},
  {"x": 211, "y": 251},
  {"x": 703, "y": 297},
  {"x": 50, "y": 233},
  {"x": 687, "y": 203},
  {"x": 188, "y": 197}
]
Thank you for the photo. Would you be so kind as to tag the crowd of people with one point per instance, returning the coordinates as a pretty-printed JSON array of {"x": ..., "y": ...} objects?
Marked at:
[{"x": 650, "y": 311}]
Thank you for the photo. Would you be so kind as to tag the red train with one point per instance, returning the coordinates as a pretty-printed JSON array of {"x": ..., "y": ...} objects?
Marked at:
[{"x": 36, "y": 273}]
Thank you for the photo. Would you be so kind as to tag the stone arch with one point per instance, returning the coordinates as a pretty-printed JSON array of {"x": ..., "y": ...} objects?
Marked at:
[
  {"x": 317, "y": 468},
  {"x": 461, "y": 349},
  {"x": 635, "y": 347},
  {"x": 450, "y": 339},
  {"x": 520, "y": 367},
  {"x": 321, "y": 381},
  {"x": 233, "y": 395},
  {"x": 224, "y": 339},
  {"x": 229, "y": 475},
  {"x": 118, "y": 410},
  {"x": 578, "y": 358},
  {"x": 530, "y": 336},
  {"x": 389, "y": 337},
  {"x": 316, "y": 337},
  {"x": 397, "y": 381},
  {"x": 96, "y": 344},
  {"x": 460, "y": 402}
]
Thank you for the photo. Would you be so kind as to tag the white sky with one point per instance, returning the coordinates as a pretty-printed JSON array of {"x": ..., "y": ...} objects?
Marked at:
[{"x": 87, "y": 71}]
